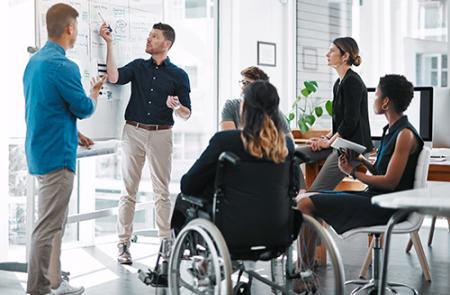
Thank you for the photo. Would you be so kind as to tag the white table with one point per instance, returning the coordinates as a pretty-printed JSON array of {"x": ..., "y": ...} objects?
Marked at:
[{"x": 434, "y": 199}]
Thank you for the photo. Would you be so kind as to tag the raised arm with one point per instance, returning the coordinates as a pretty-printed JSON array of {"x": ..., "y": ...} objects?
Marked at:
[{"x": 111, "y": 67}]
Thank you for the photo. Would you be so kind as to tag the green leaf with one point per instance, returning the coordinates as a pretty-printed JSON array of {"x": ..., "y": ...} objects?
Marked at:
[
  {"x": 305, "y": 92},
  {"x": 315, "y": 83},
  {"x": 302, "y": 125},
  {"x": 329, "y": 107},
  {"x": 291, "y": 116},
  {"x": 310, "y": 119},
  {"x": 318, "y": 111},
  {"x": 310, "y": 86}
]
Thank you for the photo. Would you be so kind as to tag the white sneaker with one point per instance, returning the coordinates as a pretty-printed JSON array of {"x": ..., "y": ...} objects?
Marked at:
[{"x": 66, "y": 289}]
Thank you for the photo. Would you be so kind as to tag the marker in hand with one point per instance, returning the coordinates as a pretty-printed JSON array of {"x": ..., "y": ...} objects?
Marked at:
[{"x": 103, "y": 20}]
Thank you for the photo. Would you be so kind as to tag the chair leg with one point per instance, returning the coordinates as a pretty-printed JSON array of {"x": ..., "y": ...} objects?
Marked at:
[
  {"x": 421, "y": 255},
  {"x": 409, "y": 246},
  {"x": 365, "y": 267},
  {"x": 430, "y": 236}
]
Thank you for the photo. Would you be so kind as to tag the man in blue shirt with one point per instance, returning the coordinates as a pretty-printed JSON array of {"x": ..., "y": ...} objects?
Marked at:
[
  {"x": 54, "y": 100},
  {"x": 158, "y": 89}
]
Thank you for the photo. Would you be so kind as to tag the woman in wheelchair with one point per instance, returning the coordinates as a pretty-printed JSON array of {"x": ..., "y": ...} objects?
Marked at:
[
  {"x": 393, "y": 169},
  {"x": 261, "y": 139}
]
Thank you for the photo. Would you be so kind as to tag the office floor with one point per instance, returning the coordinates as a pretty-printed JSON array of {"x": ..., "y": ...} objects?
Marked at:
[{"x": 96, "y": 268}]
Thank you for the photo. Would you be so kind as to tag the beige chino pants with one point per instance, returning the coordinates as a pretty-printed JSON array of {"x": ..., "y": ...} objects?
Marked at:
[
  {"x": 139, "y": 145},
  {"x": 44, "y": 266}
]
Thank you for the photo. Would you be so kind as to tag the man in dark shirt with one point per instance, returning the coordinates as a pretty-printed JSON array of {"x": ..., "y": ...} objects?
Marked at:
[{"x": 158, "y": 89}]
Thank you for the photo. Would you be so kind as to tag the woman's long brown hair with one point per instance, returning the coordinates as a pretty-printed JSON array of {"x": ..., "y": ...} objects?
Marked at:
[{"x": 261, "y": 132}]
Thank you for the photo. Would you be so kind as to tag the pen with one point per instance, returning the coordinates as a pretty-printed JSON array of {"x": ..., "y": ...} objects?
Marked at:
[{"x": 103, "y": 20}]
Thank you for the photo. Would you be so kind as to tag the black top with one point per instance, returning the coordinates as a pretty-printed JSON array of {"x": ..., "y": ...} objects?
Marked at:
[
  {"x": 199, "y": 180},
  {"x": 350, "y": 111},
  {"x": 387, "y": 147},
  {"x": 150, "y": 86}
]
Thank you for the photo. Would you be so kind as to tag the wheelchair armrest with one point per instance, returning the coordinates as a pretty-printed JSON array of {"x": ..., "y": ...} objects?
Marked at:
[{"x": 199, "y": 202}]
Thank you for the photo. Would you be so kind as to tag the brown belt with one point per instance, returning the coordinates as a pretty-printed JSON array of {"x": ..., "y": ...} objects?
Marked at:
[{"x": 149, "y": 126}]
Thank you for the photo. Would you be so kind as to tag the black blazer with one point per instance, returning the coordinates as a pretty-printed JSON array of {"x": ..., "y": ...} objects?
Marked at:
[
  {"x": 350, "y": 110},
  {"x": 199, "y": 180}
]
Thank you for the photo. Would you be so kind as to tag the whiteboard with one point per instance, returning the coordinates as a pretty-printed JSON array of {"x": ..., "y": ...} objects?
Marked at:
[{"x": 131, "y": 21}]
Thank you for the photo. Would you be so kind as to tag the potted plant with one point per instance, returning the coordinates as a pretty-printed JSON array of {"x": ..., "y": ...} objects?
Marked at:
[{"x": 305, "y": 111}]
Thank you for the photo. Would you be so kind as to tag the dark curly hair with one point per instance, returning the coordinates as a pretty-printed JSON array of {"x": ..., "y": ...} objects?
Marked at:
[
  {"x": 399, "y": 90},
  {"x": 254, "y": 73}
]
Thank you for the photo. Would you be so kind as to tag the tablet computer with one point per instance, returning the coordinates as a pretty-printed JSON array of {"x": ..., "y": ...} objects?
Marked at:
[{"x": 341, "y": 143}]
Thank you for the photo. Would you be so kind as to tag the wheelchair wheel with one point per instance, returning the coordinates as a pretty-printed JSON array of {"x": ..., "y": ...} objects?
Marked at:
[
  {"x": 326, "y": 279},
  {"x": 242, "y": 288},
  {"x": 200, "y": 262}
]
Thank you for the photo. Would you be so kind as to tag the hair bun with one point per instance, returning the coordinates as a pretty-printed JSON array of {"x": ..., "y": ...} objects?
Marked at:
[{"x": 357, "y": 60}]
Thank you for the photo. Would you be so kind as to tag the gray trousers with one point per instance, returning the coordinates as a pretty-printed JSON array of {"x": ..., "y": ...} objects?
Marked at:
[
  {"x": 44, "y": 266},
  {"x": 330, "y": 175}
]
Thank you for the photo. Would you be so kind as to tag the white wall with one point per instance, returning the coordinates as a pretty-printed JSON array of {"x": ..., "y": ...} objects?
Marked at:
[{"x": 242, "y": 24}]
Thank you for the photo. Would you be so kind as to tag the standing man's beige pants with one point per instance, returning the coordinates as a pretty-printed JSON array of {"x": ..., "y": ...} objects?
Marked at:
[
  {"x": 44, "y": 267},
  {"x": 137, "y": 146}
]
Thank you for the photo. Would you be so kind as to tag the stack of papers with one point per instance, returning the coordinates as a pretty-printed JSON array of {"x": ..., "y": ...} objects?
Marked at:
[{"x": 98, "y": 148}]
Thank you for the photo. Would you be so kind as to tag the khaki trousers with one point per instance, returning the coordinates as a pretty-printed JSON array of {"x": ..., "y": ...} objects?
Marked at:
[
  {"x": 138, "y": 145},
  {"x": 44, "y": 266}
]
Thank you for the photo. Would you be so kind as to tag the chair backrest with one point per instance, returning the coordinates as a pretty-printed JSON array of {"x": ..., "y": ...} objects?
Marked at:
[
  {"x": 255, "y": 209},
  {"x": 423, "y": 161},
  {"x": 414, "y": 219}
]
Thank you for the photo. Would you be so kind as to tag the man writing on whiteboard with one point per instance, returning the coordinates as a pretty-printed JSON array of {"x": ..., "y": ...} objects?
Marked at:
[
  {"x": 158, "y": 89},
  {"x": 54, "y": 100}
]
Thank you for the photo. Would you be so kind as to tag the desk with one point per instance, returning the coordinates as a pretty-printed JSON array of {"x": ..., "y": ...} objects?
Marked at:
[{"x": 434, "y": 199}]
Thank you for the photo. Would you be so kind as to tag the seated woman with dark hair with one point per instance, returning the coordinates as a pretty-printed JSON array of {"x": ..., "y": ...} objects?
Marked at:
[
  {"x": 261, "y": 139},
  {"x": 393, "y": 169}
]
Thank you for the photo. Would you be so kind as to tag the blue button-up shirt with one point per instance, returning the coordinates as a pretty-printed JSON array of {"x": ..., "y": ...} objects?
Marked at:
[
  {"x": 150, "y": 86},
  {"x": 54, "y": 99}
]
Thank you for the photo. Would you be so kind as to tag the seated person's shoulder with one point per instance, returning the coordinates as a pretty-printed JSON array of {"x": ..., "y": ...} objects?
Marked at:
[
  {"x": 231, "y": 105},
  {"x": 290, "y": 143},
  {"x": 227, "y": 136},
  {"x": 407, "y": 139}
]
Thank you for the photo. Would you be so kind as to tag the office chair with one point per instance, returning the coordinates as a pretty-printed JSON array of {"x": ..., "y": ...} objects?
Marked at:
[{"x": 410, "y": 226}]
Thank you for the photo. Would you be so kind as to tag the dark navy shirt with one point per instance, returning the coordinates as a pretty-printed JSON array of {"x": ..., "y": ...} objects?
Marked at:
[{"x": 150, "y": 86}]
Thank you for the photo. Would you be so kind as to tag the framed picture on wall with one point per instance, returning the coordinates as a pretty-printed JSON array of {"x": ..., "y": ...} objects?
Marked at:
[
  {"x": 309, "y": 55},
  {"x": 266, "y": 54}
]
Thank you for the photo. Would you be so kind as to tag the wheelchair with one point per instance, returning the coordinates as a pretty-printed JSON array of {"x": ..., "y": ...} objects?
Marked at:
[{"x": 252, "y": 217}]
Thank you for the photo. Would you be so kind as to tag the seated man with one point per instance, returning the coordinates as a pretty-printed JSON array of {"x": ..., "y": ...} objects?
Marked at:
[
  {"x": 231, "y": 112},
  {"x": 393, "y": 169}
]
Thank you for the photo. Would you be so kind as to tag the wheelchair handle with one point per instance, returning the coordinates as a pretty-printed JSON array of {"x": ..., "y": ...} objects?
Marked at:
[{"x": 229, "y": 157}]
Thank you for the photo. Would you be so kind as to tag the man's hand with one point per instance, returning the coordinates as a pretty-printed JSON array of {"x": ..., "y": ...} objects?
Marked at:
[
  {"x": 96, "y": 85},
  {"x": 105, "y": 33},
  {"x": 173, "y": 102},
  {"x": 84, "y": 140}
]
